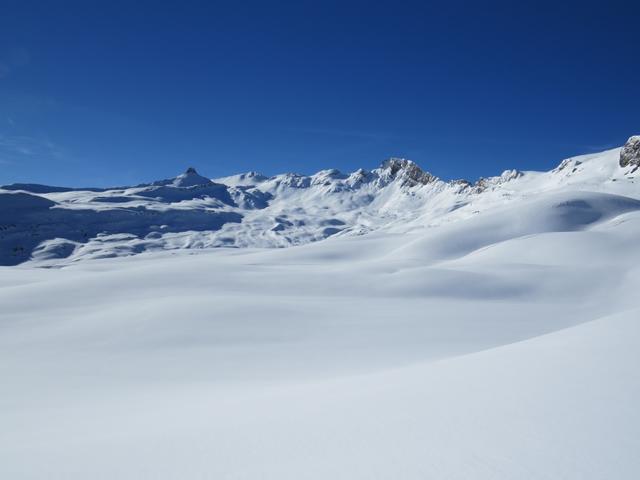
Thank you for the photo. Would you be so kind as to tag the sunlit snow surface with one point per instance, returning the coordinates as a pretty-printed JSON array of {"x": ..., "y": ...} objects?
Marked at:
[{"x": 490, "y": 335}]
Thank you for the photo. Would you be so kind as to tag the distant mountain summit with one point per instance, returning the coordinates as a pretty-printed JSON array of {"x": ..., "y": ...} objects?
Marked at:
[
  {"x": 190, "y": 178},
  {"x": 407, "y": 171}
]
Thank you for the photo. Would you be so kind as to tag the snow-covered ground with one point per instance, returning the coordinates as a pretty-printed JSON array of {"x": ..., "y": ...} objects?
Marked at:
[{"x": 445, "y": 330}]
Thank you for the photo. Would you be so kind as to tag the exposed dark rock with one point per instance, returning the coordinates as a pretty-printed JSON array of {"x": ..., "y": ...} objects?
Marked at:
[
  {"x": 409, "y": 173},
  {"x": 630, "y": 153}
]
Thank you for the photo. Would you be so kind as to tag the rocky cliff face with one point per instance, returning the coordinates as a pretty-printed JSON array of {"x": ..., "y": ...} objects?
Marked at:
[
  {"x": 630, "y": 153},
  {"x": 406, "y": 171}
]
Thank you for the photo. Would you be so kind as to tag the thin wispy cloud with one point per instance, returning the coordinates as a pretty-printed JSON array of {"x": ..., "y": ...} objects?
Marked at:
[
  {"x": 14, "y": 148},
  {"x": 13, "y": 59}
]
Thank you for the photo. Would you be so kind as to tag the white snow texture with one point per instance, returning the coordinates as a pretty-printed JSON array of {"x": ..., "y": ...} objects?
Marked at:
[{"x": 414, "y": 328}]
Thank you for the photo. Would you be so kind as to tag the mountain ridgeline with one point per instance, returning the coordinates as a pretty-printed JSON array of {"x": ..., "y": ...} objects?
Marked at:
[{"x": 51, "y": 225}]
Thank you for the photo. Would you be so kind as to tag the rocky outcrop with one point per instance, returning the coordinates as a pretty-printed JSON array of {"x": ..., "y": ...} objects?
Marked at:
[
  {"x": 406, "y": 171},
  {"x": 487, "y": 183},
  {"x": 630, "y": 153}
]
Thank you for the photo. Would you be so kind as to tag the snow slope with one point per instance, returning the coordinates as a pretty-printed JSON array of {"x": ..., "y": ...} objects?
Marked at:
[{"x": 483, "y": 331}]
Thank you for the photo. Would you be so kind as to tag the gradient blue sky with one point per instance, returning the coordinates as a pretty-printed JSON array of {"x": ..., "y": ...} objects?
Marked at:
[{"x": 113, "y": 93}]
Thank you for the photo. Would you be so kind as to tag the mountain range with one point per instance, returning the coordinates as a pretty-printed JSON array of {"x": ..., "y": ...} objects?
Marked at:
[{"x": 51, "y": 225}]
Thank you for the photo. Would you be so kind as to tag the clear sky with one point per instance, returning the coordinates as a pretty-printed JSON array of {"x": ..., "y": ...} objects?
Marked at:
[{"x": 120, "y": 92}]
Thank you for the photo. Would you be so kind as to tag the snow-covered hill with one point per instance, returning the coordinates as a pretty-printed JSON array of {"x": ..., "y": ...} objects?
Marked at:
[
  {"x": 56, "y": 225},
  {"x": 444, "y": 330}
]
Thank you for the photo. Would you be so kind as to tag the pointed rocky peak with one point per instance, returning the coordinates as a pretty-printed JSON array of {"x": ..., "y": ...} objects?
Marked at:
[
  {"x": 190, "y": 178},
  {"x": 409, "y": 173},
  {"x": 395, "y": 164},
  {"x": 630, "y": 153}
]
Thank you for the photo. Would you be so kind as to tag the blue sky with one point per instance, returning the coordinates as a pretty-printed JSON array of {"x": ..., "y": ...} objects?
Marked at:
[{"x": 113, "y": 93}]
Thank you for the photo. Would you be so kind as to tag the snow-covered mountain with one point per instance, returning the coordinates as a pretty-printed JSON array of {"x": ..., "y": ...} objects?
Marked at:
[
  {"x": 451, "y": 330},
  {"x": 57, "y": 225}
]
